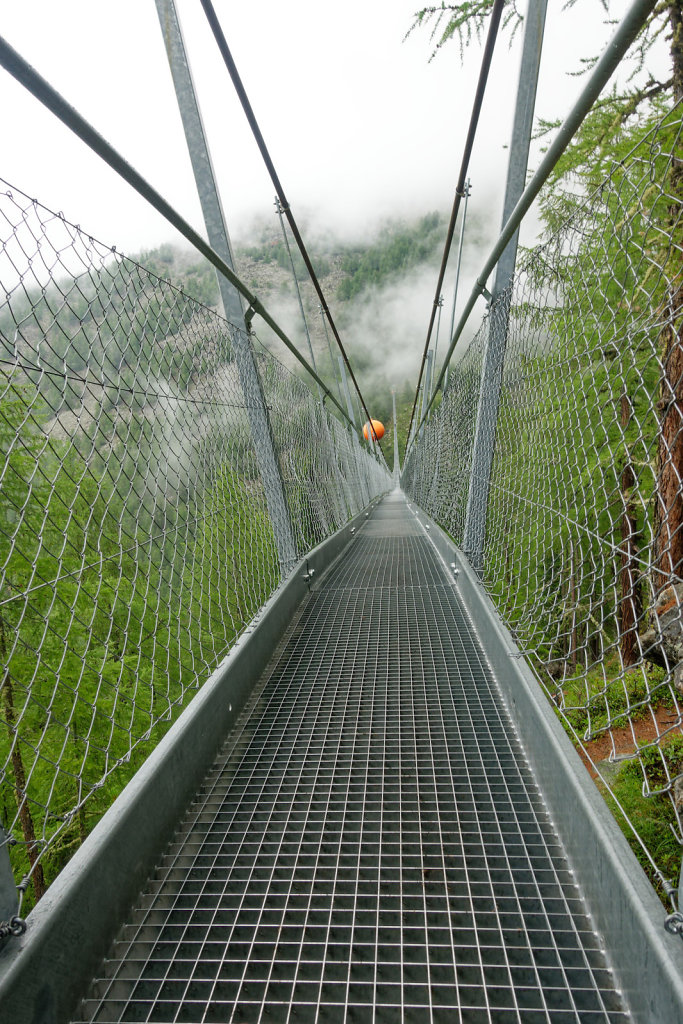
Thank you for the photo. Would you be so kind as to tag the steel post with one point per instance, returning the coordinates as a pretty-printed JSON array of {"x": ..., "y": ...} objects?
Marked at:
[
  {"x": 347, "y": 393},
  {"x": 426, "y": 389},
  {"x": 278, "y": 207},
  {"x": 219, "y": 239},
  {"x": 325, "y": 427},
  {"x": 428, "y": 378},
  {"x": 492, "y": 370},
  {"x": 436, "y": 344},
  {"x": 365, "y": 494},
  {"x": 352, "y": 412},
  {"x": 468, "y": 189},
  {"x": 8, "y": 887},
  {"x": 329, "y": 352},
  {"x": 397, "y": 468}
]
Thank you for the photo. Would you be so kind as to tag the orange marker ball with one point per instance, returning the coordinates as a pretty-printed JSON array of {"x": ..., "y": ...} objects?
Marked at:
[{"x": 377, "y": 430}]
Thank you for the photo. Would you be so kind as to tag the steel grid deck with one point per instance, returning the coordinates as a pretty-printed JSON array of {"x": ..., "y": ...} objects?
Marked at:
[{"x": 371, "y": 846}]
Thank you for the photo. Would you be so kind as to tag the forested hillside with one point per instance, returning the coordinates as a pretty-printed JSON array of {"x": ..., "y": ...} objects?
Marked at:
[{"x": 356, "y": 278}]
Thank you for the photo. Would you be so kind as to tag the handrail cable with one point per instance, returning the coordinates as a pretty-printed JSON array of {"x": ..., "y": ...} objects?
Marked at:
[
  {"x": 39, "y": 87},
  {"x": 486, "y": 59},
  {"x": 615, "y": 50},
  {"x": 219, "y": 36}
]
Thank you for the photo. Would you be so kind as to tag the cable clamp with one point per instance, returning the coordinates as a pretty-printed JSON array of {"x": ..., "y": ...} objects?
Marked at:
[
  {"x": 250, "y": 314},
  {"x": 15, "y": 926},
  {"x": 674, "y": 923}
]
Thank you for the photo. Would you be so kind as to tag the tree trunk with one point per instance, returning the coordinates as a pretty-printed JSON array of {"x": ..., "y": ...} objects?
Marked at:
[
  {"x": 630, "y": 604},
  {"x": 676, "y": 22},
  {"x": 668, "y": 512},
  {"x": 82, "y": 827},
  {"x": 668, "y": 519},
  {"x": 571, "y": 594},
  {"x": 25, "y": 816}
]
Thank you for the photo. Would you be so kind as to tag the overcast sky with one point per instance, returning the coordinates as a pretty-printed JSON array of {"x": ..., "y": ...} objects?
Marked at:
[
  {"x": 360, "y": 126},
  {"x": 358, "y": 123}
]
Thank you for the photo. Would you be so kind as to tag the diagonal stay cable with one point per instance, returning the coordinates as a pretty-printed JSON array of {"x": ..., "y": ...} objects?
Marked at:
[
  {"x": 219, "y": 36},
  {"x": 27, "y": 76},
  {"x": 460, "y": 187}
]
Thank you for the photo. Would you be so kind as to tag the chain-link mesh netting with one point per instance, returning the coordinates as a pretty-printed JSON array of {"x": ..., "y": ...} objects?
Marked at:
[
  {"x": 322, "y": 493},
  {"x": 584, "y": 520},
  {"x": 135, "y": 535}
]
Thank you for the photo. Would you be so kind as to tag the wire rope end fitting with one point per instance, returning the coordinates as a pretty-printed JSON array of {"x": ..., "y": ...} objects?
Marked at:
[
  {"x": 251, "y": 313},
  {"x": 13, "y": 928},
  {"x": 674, "y": 923}
]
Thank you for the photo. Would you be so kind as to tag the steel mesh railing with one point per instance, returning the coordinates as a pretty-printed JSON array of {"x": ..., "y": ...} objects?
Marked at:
[
  {"x": 322, "y": 492},
  {"x": 135, "y": 539},
  {"x": 584, "y": 519}
]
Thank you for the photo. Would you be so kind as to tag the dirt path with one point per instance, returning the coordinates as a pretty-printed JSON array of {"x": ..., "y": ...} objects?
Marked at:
[{"x": 625, "y": 740}]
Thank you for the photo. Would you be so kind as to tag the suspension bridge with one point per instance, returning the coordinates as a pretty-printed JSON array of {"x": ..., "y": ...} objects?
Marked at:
[{"x": 288, "y": 736}]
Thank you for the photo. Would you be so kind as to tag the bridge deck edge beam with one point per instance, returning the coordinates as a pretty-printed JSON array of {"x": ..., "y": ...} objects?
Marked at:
[
  {"x": 646, "y": 960},
  {"x": 45, "y": 972}
]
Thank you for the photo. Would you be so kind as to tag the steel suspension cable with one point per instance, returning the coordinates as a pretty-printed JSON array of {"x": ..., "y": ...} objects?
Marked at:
[
  {"x": 616, "y": 49},
  {"x": 221, "y": 41},
  {"x": 39, "y": 87},
  {"x": 460, "y": 189}
]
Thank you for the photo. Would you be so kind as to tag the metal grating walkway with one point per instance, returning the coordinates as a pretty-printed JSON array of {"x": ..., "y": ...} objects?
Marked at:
[{"x": 371, "y": 845}]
